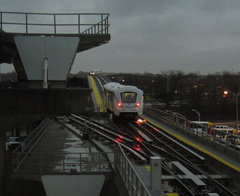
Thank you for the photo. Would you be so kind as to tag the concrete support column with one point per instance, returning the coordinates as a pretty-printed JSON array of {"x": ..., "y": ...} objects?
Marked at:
[
  {"x": 155, "y": 173},
  {"x": 45, "y": 73}
]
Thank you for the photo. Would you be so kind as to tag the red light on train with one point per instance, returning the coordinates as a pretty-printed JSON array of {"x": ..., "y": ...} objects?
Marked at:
[
  {"x": 119, "y": 104},
  {"x": 137, "y": 104}
]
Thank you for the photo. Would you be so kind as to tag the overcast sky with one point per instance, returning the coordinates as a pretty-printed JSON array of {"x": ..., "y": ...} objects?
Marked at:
[{"x": 155, "y": 35}]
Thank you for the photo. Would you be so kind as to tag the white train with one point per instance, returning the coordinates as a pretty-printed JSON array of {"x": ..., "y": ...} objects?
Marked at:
[{"x": 123, "y": 100}]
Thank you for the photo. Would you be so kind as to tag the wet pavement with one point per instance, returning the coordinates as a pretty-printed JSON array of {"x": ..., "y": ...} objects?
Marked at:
[{"x": 57, "y": 151}]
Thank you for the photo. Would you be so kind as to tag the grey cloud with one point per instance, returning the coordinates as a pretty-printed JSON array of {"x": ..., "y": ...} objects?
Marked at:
[{"x": 156, "y": 35}]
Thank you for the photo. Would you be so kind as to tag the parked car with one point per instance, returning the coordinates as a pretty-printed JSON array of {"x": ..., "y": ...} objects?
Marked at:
[
  {"x": 13, "y": 143},
  {"x": 222, "y": 128}
]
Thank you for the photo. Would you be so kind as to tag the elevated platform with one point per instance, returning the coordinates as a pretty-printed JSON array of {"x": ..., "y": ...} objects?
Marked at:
[
  {"x": 60, "y": 155},
  {"x": 54, "y": 37},
  {"x": 96, "y": 97}
]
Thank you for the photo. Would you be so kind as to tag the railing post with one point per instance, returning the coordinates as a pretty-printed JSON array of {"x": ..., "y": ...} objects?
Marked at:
[
  {"x": 101, "y": 24},
  {"x": 106, "y": 23},
  {"x": 55, "y": 28},
  {"x": 1, "y": 19},
  {"x": 79, "y": 30},
  {"x": 27, "y": 23}
]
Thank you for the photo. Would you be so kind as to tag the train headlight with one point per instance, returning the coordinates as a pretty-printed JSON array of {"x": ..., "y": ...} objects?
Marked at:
[{"x": 140, "y": 121}]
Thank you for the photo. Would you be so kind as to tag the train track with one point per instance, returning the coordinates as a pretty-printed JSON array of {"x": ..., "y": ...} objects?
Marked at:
[
  {"x": 183, "y": 169},
  {"x": 185, "y": 165},
  {"x": 124, "y": 140}
]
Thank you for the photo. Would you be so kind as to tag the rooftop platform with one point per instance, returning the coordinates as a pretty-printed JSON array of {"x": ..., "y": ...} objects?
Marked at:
[{"x": 91, "y": 29}]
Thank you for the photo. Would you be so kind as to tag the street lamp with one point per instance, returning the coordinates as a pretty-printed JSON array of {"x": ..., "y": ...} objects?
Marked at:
[
  {"x": 236, "y": 96},
  {"x": 197, "y": 114},
  {"x": 168, "y": 83}
]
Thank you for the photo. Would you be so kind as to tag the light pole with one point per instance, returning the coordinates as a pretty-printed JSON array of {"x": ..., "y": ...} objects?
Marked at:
[
  {"x": 236, "y": 96},
  {"x": 197, "y": 114},
  {"x": 168, "y": 83}
]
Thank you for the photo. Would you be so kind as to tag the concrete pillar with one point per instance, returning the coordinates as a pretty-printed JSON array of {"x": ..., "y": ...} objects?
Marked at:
[
  {"x": 45, "y": 73},
  {"x": 155, "y": 173}
]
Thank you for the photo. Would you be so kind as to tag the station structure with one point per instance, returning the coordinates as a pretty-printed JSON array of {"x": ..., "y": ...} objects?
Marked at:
[
  {"x": 42, "y": 48},
  {"x": 92, "y": 174},
  {"x": 42, "y": 93}
]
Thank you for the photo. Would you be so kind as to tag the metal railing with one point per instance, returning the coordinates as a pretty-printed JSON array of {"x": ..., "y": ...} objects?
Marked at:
[
  {"x": 27, "y": 162},
  {"x": 130, "y": 177},
  {"x": 221, "y": 138},
  {"x": 54, "y": 23},
  {"x": 20, "y": 153},
  {"x": 45, "y": 163}
]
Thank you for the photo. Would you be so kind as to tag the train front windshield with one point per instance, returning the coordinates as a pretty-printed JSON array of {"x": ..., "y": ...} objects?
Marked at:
[{"x": 128, "y": 97}]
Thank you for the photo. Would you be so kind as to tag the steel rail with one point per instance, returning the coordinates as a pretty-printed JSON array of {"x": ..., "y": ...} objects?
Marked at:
[
  {"x": 210, "y": 180},
  {"x": 126, "y": 143},
  {"x": 187, "y": 186}
]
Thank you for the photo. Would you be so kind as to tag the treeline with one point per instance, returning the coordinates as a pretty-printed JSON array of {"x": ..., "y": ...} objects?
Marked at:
[{"x": 184, "y": 92}]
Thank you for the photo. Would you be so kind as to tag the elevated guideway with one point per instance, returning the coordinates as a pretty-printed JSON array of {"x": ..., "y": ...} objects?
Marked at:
[
  {"x": 217, "y": 156},
  {"x": 96, "y": 97}
]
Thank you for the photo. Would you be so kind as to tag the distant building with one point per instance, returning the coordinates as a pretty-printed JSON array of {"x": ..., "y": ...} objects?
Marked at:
[{"x": 94, "y": 72}]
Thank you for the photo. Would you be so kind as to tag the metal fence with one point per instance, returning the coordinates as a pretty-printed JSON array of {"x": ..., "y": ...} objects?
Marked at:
[
  {"x": 20, "y": 153},
  {"x": 45, "y": 163},
  {"x": 54, "y": 23},
  {"x": 221, "y": 138},
  {"x": 27, "y": 162},
  {"x": 133, "y": 182}
]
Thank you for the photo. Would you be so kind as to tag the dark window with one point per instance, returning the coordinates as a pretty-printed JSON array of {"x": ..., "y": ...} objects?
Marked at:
[{"x": 128, "y": 97}]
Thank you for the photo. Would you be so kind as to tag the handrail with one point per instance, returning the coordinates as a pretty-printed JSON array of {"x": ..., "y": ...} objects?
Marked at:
[
  {"x": 46, "y": 163},
  {"x": 20, "y": 153},
  {"x": 59, "y": 23},
  {"x": 217, "y": 137},
  {"x": 131, "y": 179}
]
